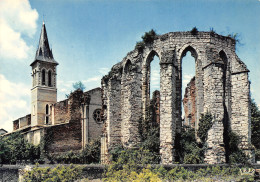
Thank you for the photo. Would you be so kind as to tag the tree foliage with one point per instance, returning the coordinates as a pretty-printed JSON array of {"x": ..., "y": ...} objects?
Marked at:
[
  {"x": 255, "y": 127},
  {"x": 78, "y": 85},
  {"x": 194, "y": 31},
  {"x": 91, "y": 154},
  {"x": 57, "y": 174},
  {"x": 147, "y": 38},
  {"x": 255, "y": 124},
  {"x": 188, "y": 150},
  {"x": 205, "y": 123},
  {"x": 14, "y": 148}
]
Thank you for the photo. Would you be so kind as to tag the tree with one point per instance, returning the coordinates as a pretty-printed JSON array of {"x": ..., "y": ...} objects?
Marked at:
[
  {"x": 255, "y": 124},
  {"x": 79, "y": 85},
  {"x": 76, "y": 86}
]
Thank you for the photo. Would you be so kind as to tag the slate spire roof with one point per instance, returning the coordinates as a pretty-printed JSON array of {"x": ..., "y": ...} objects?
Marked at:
[{"x": 44, "y": 53}]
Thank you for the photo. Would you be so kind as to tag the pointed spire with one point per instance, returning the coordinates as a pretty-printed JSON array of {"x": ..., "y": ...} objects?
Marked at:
[{"x": 44, "y": 53}]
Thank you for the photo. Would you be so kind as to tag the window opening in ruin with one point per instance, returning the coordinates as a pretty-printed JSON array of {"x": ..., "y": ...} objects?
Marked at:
[
  {"x": 49, "y": 78},
  {"x": 97, "y": 115},
  {"x": 154, "y": 86},
  {"x": 128, "y": 67},
  {"x": 43, "y": 77},
  {"x": 188, "y": 90},
  {"x": 154, "y": 75}
]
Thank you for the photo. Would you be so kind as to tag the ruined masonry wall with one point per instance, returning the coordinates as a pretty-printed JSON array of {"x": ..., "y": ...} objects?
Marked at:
[
  {"x": 167, "y": 111},
  {"x": 222, "y": 88},
  {"x": 213, "y": 96},
  {"x": 131, "y": 106},
  {"x": 189, "y": 104}
]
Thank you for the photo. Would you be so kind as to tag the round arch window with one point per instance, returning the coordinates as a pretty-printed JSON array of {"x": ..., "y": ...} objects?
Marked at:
[{"x": 97, "y": 116}]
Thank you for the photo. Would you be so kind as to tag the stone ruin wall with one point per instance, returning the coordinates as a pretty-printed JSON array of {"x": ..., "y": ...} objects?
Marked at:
[
  {"x": 222, "y": 88},
  {"x": 189, "y": 104}
]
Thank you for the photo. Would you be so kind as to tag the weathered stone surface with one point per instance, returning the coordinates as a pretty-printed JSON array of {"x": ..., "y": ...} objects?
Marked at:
[
  {"x": 221, "y": 87},
  {"x": 189, "y": 104}
]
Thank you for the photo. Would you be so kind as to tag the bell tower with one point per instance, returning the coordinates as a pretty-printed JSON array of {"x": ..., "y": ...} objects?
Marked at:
[{"x": 44, "y": 90}]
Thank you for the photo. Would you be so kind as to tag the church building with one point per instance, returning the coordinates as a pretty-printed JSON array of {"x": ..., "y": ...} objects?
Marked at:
[{"x": 70, "y": 123}]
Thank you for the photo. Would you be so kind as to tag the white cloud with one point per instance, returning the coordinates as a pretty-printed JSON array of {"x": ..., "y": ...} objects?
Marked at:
[
  {"x": 14, "y": 102},
  {"x": 65, "y": 87},
  {"x": 17, "y": 18},
  {"x": 103, "y": 71},
  {"x": 93, "y": 79},
  {"x": 186, "y": 79}
]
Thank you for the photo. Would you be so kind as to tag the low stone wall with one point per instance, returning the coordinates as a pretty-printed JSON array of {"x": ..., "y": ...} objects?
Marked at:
[{"x": 10, "y": 173}]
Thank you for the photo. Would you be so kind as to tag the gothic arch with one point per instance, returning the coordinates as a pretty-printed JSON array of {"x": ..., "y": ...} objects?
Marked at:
[
  {"x": 146, "y": 72},
  {"x": 223, "y": 56},
  {"x": 188, "y": 47},
  {"x": 150, "y": 57},
  {"x": 127, "y": 66},
  {"x": 211, "y": 53}
]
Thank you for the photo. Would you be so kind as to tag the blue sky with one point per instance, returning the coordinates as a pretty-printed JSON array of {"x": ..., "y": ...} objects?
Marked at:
[{"x": 88, "y": 37}]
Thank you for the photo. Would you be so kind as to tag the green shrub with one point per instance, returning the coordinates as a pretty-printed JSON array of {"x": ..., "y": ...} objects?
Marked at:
[
  {"x": 212, "y": 31},
  {"x": 91, "y": 154},
  {"x": 236, "y": 155},
  {"x": 14, "y": 149},
  {"x": 188, "y": 151},
  {"x": 57, "y": 174},
  {"x": 205, "y": 123},
  {"x": 140, "y": 46},
  {"x": 255, "y": 126},
  {"x": 194, "y": 31},
  {"x": 148, "y": 38}
]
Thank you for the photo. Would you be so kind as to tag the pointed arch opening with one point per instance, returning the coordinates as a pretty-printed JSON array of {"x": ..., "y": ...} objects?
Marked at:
[
  {"x": 43, "y": 77},
  {"x": 154, "y": 87},
  {"x": 188, "y": 87},
  {"x": 151, "y": 98},
  {"x": 128, "y": 67},
  {"x": 49, "y": 78},
  {"x": 226, "y": 96}
]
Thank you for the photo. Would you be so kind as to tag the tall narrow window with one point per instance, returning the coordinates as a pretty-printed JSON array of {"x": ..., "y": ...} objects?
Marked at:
[
  {"x": 49, "y": 78},
  {"x": 47, "y": 109},
  {"x": 43, "y": 77},
  {"x": 188, "y": 94},
  {"x": 47, "y": 114}
]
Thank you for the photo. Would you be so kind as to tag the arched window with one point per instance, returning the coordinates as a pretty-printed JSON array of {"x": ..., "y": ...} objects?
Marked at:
[
  {"x": 49, "y": 78},
  {"x": 128, "y": 66},
  {"x": 187, "y": 87},
  {"x": 43, "y": 77}
]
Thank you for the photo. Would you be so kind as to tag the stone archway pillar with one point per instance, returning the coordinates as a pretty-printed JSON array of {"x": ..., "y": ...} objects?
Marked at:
[
  {"x": 112, "y": 130},
  {"x": 131, "y": 107},
  {"x": 167, "y": 107},
  {"x": 213, "y": 103}
]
